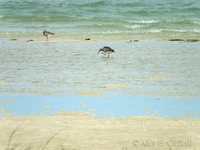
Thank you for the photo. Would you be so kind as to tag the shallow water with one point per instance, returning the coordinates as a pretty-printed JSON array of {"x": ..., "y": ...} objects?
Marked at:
[
  {"x": 155, "y": 68},
  {"x": 148, "y": 77},
  {"x": 111, "y": 106},
  {"x": 155, "y": 18}
]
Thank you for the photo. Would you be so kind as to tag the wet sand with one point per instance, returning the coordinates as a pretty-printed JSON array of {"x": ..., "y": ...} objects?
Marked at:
[
  {"x": 61, "y": 41},
  {"x": 72, "y": 67}
]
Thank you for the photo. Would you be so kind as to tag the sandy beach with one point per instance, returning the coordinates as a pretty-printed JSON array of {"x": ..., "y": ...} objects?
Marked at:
[
  {"x": 72, "y": 67},
  {"x": 81, "y": 131}
]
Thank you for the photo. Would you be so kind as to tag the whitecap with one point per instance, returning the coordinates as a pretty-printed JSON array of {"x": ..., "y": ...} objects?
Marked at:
[{"x": 142, "y": 21}]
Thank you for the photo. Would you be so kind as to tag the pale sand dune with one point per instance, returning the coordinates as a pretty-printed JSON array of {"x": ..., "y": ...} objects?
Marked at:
[{"x": 82, "y": 131}]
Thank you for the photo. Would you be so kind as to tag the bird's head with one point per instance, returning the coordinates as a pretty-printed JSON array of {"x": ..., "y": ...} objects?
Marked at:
[{"x": 101, "y": 49}]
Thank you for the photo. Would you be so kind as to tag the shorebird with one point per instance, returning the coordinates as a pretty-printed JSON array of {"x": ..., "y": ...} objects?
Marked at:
[
  {"x": 47, "y": 34},
  {"x": 105, "y": 50}
]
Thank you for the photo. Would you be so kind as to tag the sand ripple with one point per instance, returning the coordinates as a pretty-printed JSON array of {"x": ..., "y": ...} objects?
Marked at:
[{"x": 89, "y": 92}]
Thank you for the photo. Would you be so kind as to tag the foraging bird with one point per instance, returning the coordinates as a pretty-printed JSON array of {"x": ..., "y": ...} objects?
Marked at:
[
  {"x": 47, "y": 34},
  {"x": 105, "y": 50}
]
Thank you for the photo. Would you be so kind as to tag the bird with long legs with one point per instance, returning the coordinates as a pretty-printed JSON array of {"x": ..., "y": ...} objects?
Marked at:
[
  {"x": 106, "y": 50},
  {"x": 47, "y": 34}
]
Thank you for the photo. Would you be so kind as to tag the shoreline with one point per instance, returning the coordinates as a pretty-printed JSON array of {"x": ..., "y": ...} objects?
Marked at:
[
  {"x": 111, "y": 36},
  {"x": 88, "y": 40},
  {"x": 76, "y": 129}
]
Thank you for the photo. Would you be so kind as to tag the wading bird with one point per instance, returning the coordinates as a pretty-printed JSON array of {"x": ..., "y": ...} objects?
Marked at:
[
  {"x": 105, "y": 50},
  {"x": 47, "y": 34}
]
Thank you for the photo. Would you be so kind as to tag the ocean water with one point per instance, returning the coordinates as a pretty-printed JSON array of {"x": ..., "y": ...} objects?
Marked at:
[{"x": 101, "y": 18}]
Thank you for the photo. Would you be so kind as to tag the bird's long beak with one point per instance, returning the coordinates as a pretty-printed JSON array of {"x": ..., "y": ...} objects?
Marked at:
[{"x": 98, "y": 53}]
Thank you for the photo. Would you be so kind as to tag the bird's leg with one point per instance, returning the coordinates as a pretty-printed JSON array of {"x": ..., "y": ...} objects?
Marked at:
[
  {"x": 108, "y": 55},
  {"x": 47, "y": 38},
  {"x": 103, "y": 53}
]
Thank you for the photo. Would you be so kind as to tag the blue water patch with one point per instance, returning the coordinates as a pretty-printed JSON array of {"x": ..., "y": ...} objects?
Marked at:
[{"x": 102, "y": 106}]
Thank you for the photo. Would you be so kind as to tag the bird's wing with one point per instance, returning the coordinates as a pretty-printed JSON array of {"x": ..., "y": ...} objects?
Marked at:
[{"x": 47, "y": 32}]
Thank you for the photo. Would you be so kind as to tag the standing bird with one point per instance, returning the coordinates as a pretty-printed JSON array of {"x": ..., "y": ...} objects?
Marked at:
[
  {"x": 105, "y": 50},
  {"x": 47, "y": 34}
]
